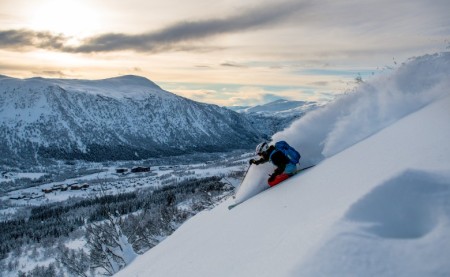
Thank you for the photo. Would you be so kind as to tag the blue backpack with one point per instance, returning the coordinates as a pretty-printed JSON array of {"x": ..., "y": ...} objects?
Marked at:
[{"x": 288, "y": 151}]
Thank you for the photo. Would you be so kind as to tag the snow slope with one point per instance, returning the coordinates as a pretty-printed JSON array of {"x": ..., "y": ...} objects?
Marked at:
[{"x": 377, "y": 207}]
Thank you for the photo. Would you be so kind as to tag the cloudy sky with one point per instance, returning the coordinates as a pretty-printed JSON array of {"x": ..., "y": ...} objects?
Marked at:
[{"x": 226, "y": 52}]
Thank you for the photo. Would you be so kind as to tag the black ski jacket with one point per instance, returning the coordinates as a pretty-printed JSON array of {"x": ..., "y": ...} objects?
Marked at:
[{"x": 278, "y": 159}]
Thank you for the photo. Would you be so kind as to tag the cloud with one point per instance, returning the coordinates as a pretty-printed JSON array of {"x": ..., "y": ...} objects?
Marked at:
[
  {"x": 203, "y": 66},
  {"x": 192, "y": 30},
  {"x": 52, "y": 73},
  {"x": 24, "y": 38},
  {"x": 173, "y": 37},
  {"x": 319, "y": 83},
  {"x": 233, "y": 64},
  {"x": 25, "y": 70}
]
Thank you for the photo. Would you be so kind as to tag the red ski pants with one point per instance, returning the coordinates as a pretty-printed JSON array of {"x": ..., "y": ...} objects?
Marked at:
[{"x": 278, "y": 179}]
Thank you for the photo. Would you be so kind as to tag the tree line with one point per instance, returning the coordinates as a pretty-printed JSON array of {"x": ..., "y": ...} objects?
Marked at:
[{"x": 137, "y": 220}]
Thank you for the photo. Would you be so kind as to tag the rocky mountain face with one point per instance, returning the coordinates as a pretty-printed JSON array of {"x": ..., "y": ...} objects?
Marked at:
[{"x": 122, "y": 118}]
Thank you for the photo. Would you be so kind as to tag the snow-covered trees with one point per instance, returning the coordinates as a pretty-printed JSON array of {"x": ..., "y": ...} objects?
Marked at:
[
  {"x": 116, "y": 227},
  {"x": 40, "y": 271},
  {"x": 108, "y": 245},
  {"x": 76, "y": 262}
]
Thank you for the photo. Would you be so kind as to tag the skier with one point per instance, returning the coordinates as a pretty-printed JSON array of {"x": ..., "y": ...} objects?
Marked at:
[{"x": 283, "y": 156}]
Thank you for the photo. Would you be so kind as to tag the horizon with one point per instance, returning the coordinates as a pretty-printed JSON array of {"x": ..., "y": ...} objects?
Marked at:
[
  {"x": 131, "y": 75},
  {"x": 226, "y": 53}
]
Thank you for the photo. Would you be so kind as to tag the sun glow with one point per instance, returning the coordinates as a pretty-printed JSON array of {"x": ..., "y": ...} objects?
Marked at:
[{"x": 72, "y": 18}]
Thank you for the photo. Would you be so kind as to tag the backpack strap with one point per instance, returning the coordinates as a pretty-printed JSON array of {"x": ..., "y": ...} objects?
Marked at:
[{"x": 273, "y": 152}]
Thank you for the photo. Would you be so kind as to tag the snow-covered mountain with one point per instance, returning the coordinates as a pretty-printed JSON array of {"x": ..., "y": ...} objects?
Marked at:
[
  {"x": 128, "y": 117},
  {"x": 279, "y": 108},
  {"x": 375, "y": 205},
  {"x": 277, "y": 115}
]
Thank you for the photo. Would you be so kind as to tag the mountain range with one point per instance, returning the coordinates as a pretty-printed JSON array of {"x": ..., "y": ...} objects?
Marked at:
[
  {"x": 279, "y": 108},
  {"x": 277, "y": 115},
  {"x": 122, "y": 118}
]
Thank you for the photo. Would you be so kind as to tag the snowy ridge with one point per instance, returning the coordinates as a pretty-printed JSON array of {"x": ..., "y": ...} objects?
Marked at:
[
  {"x": 277, "y": 115},
  {"x": 128, "y": 86},
  {"x": 376, "y": 205},
  {"x": 280, "y": 107},
  {"x": 121, "y": 118}
]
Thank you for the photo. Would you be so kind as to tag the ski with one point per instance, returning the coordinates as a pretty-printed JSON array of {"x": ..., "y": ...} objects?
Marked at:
[
  {"x": 232, "y": 206},
  {"x": 305, "y": 168}
]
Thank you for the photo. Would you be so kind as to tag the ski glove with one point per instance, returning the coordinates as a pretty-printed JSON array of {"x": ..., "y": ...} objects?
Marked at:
[
  {"x": 253, "y": 161},
  {"x": 257, "y": 162}
]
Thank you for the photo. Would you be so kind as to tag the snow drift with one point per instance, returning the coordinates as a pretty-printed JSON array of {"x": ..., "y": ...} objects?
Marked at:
[
  {"x": 371, "y": 107},
  {"x": 377, "y": 204}
]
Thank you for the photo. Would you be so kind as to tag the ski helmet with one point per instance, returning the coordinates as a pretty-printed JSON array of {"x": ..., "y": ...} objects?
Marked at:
[{"x": 262, "y": 147}]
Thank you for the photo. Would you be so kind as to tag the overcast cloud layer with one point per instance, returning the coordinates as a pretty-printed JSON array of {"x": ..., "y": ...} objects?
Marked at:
[
  {"x": 380, "y": 18},
  {"x": 228, "y": 52},
  {"x": 161, "y": 40}
]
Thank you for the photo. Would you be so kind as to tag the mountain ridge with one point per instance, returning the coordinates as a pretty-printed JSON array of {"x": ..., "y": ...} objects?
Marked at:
[
  {"x": 125, "y": 117},
  {"x": 279, "y": 107},
  {"x": 277, "y": 115}
]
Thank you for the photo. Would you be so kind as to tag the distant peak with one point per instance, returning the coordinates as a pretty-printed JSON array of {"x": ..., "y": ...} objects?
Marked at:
[
  {"x": 130, "y": 78},
  {"x": 133, "y": 79},
  {"x": 279, "y": 101}
]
